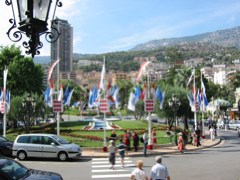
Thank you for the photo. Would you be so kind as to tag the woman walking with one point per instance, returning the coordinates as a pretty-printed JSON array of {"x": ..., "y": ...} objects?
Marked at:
[
  {"x": 180, "y": 142},
  {"x": 139, "y": 173},
  {"x": 112, "y": 153}
]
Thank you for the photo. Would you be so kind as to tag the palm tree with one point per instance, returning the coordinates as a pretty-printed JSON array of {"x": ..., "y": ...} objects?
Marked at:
[{"x": 124, "y": 87}]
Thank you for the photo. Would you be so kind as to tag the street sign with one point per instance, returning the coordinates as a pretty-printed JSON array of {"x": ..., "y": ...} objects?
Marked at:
[
  {"x": 104, "y": 106},
  {"x": 2, "y": 107},
  {"x": 57, "y": 106},
  {"x": 149, "y": 105}
]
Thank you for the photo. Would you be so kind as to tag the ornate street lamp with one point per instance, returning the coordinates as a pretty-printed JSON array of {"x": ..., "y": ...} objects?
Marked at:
[
  {"x": 33, "y": 17},
  {"x": 174, "y": 103}
]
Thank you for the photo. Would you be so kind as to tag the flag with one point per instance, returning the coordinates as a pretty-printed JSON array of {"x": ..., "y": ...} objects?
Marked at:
[
  {"x": 131, "y": 102},
  {"x": 47, "y": 97},
  {"x": 190, "y": 99},
  {"x": 144, "y": 92},
  {"x": 76, "y": 104},
  {"x": 51, "y": 69},
  {"x": 204, "y": 96},
  {"x": 101, "y": 86},
  {"x": 191, "y": 77},
  {"x": 160, "y": 97},
  {"x": 153, "y": 92},
  {"x": 163, "y": 98},
  {"x": 93, "y": 94},
  {"x": 137, "y": 93},
  {"x": 116, "y": 96},
  {"x": 5, "y": 72},
  {"x": 90, "y": 103},
  {"x": 67, "y": 103},
  {"x": 66, "y": 94},
  {"x": 141, "y": 69},
  {"x": 8, "y": 100},
  {"x": 109, "y": 92},
  {"x": 60, "y": 95},
  {"x": 1, "y": 95}
]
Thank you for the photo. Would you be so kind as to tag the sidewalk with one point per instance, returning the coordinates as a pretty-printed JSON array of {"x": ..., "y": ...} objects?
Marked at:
[{"x": 160, "y": 150}]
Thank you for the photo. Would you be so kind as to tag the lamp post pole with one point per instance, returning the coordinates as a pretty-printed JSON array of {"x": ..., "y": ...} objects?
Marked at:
[
  {"x": 29, "y": 104},
  {"x": 174, "y": 103}
]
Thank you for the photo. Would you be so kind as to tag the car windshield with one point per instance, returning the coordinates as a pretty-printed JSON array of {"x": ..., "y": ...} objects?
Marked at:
[
  {"x": 12, "y": 170},
  {"x": 60, "y": 140}
]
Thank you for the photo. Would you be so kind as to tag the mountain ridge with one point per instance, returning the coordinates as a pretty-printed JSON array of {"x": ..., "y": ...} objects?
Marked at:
[{"x": 226, "y": 38}]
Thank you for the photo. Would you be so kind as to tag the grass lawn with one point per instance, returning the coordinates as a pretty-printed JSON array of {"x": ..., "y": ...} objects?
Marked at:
[{"x": 73, "y": 132}]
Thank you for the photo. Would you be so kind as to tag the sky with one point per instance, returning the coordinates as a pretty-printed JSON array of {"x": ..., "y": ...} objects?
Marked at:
[{"x": 101, "y": 26}]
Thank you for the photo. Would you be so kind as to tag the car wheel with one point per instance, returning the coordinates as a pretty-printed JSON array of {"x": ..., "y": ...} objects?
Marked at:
[
  {"x": 21, "y": 155},
  {"x": 62, "y": 156}
]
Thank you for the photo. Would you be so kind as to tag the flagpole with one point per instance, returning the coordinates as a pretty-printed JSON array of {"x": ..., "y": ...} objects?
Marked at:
[
  {"x": 195, "y": 112},
  {"x": 4, "y": 100},
  {"x": 104, "y": 114},
  {"x": 202, "y": 99},
  {"x": 149, "y": 117},
  {"x": 58, "y": 115}
]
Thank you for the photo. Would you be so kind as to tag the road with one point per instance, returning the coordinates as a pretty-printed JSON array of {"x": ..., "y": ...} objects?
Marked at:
[{"x": 219, "y": 163}]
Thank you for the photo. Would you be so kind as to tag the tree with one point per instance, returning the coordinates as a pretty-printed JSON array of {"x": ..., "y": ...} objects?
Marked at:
[
  {"x": 23, "y": 74},
  {"x": 124, "y": 88}
]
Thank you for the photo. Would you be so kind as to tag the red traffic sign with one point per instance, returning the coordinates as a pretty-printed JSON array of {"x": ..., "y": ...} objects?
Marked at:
[
  {"x": 149, "y": 105},
  {"x": 104, "y": 106},
  {"x": 57, "y": 106}
]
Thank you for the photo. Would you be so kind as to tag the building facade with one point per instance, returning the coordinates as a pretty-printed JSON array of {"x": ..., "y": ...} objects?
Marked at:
[{"x": 63, "y": 48}]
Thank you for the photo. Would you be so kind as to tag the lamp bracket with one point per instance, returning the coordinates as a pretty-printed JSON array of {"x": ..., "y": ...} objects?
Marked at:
[{"x": 30, "y": 30}]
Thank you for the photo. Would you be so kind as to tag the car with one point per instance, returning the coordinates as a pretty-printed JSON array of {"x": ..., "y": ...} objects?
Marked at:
[
  {"x": 10, "y": 169},
  {"x": 44, "y": 146},
  {"x": 5, "y": 146},
  {"x": 220, "y": 124},
  {"x": 233, "y": 125}
]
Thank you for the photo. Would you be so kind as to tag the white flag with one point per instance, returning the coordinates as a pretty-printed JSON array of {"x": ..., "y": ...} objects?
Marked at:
[{"x": 131, "y": 102}]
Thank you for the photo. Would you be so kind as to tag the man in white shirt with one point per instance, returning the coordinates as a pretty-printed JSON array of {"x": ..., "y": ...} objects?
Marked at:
[{"x": 159, "y": 171}]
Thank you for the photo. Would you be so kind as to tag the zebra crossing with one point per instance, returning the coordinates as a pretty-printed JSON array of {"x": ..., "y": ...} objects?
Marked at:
[{"x": 100, "y": 168}]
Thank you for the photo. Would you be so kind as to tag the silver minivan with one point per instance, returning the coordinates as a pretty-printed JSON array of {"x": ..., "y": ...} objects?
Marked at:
[{"x": 44, "y": 146}]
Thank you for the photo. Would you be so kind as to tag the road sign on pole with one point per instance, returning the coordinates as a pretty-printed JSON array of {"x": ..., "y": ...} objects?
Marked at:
[
  {"x": 104, "y": 106},
  {"x": 57, "y": 106},
  {"x": 149, "y": 105}
]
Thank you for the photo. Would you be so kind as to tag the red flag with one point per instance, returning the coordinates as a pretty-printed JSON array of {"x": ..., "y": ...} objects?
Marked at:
[{"x": 51, "y": 69}]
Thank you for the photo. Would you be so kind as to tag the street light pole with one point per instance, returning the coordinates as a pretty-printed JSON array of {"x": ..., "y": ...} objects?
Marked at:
[
  {"x": 174, "y": 103},
  {"x": 29, "y": 104}
]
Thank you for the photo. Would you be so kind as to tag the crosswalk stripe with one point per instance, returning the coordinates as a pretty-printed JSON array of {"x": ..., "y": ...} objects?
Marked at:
[
  {"x": 111, "y": 176},
  {"x": 104, "y": 162},
  {"x": 101, "y": 159},
  {"x": 110, "y": 170},
  {"x": 108, "y": 165}
]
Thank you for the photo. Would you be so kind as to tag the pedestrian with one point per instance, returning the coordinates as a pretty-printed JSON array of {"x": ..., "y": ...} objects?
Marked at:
[
  {"x": 154, "y": 138},
  {"x": 112, "y": 153},
  {"x": 121, "y": 151},
  {"x": 180, "y": 142},
  {"x": 212, "y": 133},
  {"x": 130, "y": 136},
  {"x": 139, "y": 173},
  {"x": 159, "y": 171},
  {"x": 126, "y": 139},
  {"x": 135, "y": 141},
  {"x": 113, "y": 136},
  {"x": 198, "y": 134},
  {"x": 145, "y": 143}
]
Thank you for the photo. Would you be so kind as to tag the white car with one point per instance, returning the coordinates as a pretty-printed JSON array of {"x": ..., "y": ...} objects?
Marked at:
[
  {"x": 44, "y": 146},
  {"x": 234, "y": 125},
  {"x": 220, "y": 124}
]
